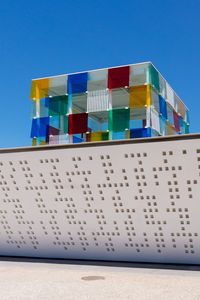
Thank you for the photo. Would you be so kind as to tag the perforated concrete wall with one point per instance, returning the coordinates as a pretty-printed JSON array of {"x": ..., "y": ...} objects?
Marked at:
[{"x": 130, "y": 201}]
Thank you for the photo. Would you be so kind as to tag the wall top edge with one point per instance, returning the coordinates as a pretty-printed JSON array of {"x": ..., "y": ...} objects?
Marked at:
[
  {"x": 192, "y": 136},
  {"x": 93, "y": 70}
]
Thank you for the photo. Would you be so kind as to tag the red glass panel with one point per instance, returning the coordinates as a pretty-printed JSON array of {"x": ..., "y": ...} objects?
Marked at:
[
  {"x": 118, "y": 77},
  {"x": 77, "y": 123},
  {"x": 176, "y": 121}
]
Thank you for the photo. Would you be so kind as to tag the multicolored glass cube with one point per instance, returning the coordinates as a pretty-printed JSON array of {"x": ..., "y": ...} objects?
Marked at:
[{"x": 124, "y": 102}]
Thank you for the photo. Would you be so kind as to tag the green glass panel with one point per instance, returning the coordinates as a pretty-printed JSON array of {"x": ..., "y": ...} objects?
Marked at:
[
  {"x": 186, "y": 128},
  {"x": 63, "y": 105},
  {"x": 119, "y": 119},
  {"x": 65, "y": 127},
  {"x": 187, "y": 117},
  {"x": 154, "y": 77},
  {"x": 58, "y": 105},
  {"x": 105, "y": 136}
]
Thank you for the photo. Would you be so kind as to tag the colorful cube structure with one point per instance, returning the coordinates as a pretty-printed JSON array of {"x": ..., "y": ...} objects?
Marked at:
[{"x": 123, "y": 102}]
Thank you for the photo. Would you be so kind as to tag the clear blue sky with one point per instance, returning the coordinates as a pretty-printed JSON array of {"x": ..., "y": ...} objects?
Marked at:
[{"x": 44, "y": 38}]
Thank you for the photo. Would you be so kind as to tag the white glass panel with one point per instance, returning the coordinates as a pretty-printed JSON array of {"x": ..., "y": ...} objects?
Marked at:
[
  {"x": 155, "y": 100},
  {"x": 162, "y": 84},
  {"x": 120, "y": 98},
  {"x": 176, "y": 100},
  {"x": 97, "y": 80},
  {"x": 155, "y": 121},
  {"x": 63, "y": 139},
  {"x": 79, "y": 103},
  {"x": 58, "y": 85},
  {"x": 97, "y": 100},
  {"x": 163, "y": 129},
  {"x": 138, "y": 74},
  {"x": 138, "y": 113},
  {"x": 53, "y": 139},
  {"x": 148, "y": 117},
  {"x": 170, "y": 95}
]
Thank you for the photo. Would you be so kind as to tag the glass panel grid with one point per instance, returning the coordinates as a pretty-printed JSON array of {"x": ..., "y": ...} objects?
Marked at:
[{"x": 117, "y": 103}]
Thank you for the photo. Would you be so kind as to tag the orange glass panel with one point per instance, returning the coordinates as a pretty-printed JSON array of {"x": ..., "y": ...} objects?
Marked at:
[
  {"x": 140, "y": 96},
  {"x": 170, "y": 130},
  {"x": 181, "y": 109}
]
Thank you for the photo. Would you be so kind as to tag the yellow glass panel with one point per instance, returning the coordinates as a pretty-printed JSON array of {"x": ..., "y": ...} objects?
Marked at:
[
  {"x": 127, "y": 134},
  {"x": 94, "y": 136},
  {"x": 39, "y": 88},
  {"x": 140, "y": 96},
  {"x": 33, "y": 90},
  {"x": 97, "y": 136},
  {"x": 34, "y": 142}
]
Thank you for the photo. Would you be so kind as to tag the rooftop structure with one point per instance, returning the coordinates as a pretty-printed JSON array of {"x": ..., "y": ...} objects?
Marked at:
[
  {"x": 124, "y": 198},
  {"x": 124, "y": 102}
]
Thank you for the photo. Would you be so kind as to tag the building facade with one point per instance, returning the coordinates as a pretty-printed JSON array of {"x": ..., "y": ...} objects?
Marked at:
[{"x": 125, "y": 102}]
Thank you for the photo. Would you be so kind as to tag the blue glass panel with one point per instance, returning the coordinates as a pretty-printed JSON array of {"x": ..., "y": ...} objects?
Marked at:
[
  {"x": 119, "y": 135},
  {"x": 77, "y": 139},
  {"x": 40, "y": 127},
  {"x": 94, "y": 125},
  {"x": 140, "y": 132},
  {"x": 163, "y": 107},
  {"x": 163, "y": 129},
  {"x": 47, "y": 102},
  {"x": 181, "y": 123},
  {"x": 54, "y": 121},
  {"x": 34, "y": 128},
  {"x": 43, "y": 126},
  {"x": 104, "y": 126},
  {"x": 154, "y": 133},
  {"x": 44, "y": 110},
  {"x": 136, "y": 124},
  {"x": 77, "y": 83}
]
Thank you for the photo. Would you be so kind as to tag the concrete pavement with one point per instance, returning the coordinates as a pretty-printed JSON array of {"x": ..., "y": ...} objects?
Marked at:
[{"x": 65, "y": 280}]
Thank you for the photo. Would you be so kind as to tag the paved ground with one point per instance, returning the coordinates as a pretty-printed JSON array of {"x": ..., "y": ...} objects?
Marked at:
[{"x": 67, "y": 280}]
